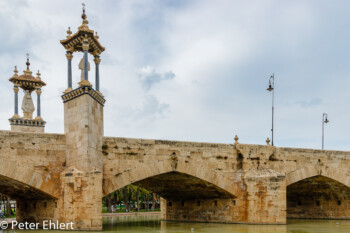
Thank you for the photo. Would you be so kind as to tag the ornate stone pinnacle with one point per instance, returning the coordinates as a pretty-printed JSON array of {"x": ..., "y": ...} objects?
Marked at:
[
  {"x": 236, "y": 139},
  {"x": 96, "y": 36},
  {"x": 268, "y": 141},
  {"x": 27, "y": 63},
  {"x": 83, "y": 16},
  {"x": 38, "y": 75},
  {"x": 27, "y": 71},
  {"x": 16, "y": 72},
  {"x": 69, "y": 32}
]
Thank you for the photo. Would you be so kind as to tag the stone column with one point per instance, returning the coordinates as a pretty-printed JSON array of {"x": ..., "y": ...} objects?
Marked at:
[
  {"x": 15, "y": 89},
  {"x": 97, "y": 61},
  {"x": 86, "y": 50},
  {"x": 82, "y": 180},
  {"x": 69, "y": 56},
  {"x": 38, "y": 93}
]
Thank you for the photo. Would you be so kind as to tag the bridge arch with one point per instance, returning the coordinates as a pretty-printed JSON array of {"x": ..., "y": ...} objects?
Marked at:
[
  {"x": 337, "y": 174},
  {"x": 197, "y": 170},
  {"x": 20, "y": 181},
  {"x": 35, "y": 191},
  {"x": 318, "y": 192}
]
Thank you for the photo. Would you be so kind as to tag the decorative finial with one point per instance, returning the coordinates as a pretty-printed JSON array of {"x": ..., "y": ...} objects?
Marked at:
[
  {"x": 268, "y": 141},
  {"x": 27, "y": 63},
  {"x": 96, "y": 36},
  {"x": 69, "y": 32},
  {"x": 16, "y": 71},
  {"x": 38, "y": 75},
  {"x": 236, "y": 140},
  {"x": 83, "y": 16}
]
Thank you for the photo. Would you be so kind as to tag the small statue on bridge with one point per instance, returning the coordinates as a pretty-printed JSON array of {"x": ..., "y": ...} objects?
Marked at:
[
  {"x": 174, "y": 161},
  {"x": 81, "y": 67},
  {"x": 28, "y": 105}
]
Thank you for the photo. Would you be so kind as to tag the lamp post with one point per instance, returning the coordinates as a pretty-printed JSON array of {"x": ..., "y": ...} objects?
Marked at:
[
  {"x": 324, "y": 120},
  {"x": 272, "y": 88}
]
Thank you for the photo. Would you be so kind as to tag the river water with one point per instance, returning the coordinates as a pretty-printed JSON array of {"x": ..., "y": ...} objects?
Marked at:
[{"x": 152, "y": 224}]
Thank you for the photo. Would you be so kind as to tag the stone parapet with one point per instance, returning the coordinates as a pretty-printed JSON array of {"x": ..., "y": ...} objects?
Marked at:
[{"x": 82, "y": 91}]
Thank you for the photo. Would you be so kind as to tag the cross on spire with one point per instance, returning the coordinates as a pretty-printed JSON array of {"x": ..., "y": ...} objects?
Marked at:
[
  {"x": 83, "y": 16},
  {"x": 27, "y": 63}
]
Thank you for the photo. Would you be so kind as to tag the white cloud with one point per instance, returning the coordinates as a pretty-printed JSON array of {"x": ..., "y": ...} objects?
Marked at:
[
  {"x": 222, "y": 53},
  {"x": 149, "y": 77}
]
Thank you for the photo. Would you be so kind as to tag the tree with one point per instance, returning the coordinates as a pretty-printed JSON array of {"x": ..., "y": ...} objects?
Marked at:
[
  {"x": 8, "y": 207},
  {"x": 138, "y": 199},
  {"x": 126, "y": 201}
]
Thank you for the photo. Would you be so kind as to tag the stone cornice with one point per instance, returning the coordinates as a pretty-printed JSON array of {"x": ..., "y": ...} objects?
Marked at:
[
  {"x": 27, "y": 122},
  {"x": 81, "y": 91}
]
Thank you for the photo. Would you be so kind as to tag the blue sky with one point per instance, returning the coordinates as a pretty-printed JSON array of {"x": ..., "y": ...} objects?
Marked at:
[{"x": 194, "y": 70}]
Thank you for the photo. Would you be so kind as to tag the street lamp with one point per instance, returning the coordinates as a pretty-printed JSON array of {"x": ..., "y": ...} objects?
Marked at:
[
  {"x": 324, "y": 120},
  {"x": 272, "y": 88}
]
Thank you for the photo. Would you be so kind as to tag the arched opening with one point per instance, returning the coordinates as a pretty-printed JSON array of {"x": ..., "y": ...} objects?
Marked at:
[
  {"x": 189, "y": 198},
  {"x": 318, "y": 197},
  {"x": 32, "y": 205}
]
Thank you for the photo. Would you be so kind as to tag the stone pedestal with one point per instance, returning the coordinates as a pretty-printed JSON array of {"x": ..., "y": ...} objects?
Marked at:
[
  {"x": 27, "y": 125},
  {"x": 81, "y": 181}
]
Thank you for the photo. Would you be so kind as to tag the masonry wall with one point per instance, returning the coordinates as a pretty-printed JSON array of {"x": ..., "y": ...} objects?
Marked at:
[
  {"x": 203, "y": 210},
  {"x": 30, "y": 168},
  {"x": 32, "y": 159},
  {"x": 28, "y": 129},
  {"x": 36, "y": 211},
  {"x": 318, "y": 209}
]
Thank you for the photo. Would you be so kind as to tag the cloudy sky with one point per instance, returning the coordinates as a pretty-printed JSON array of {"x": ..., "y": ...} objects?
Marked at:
[{"x": 194, "y": 70}]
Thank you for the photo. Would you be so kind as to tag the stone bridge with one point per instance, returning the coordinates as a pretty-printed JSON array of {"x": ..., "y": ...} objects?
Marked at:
[
  {"x": 65, "y": 176},
  {"x": 205, "y": 182}
]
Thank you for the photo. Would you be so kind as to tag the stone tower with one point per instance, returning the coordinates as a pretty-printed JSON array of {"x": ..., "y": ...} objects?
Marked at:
[
  {"x": 81, "y": 181},
  {"x": 28, "y": 84}
]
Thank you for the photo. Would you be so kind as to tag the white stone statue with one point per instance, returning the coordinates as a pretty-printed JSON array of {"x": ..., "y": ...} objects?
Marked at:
[
  {"x": 27, "y": 105},
  {"x": 81, "y": 67}
]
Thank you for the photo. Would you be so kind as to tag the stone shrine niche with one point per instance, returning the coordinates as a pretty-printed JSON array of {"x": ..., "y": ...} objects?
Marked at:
[{"x": 28, "y": 84}]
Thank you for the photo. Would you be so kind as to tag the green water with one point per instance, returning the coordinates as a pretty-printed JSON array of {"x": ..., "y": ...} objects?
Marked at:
[{"x": 152, "y": 224}]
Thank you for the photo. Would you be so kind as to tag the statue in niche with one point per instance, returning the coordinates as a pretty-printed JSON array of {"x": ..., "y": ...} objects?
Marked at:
[
  {"x": 81, "y": 67},
  {"x": 28, "y": 105},
  {"x": 174, "y": 161}
]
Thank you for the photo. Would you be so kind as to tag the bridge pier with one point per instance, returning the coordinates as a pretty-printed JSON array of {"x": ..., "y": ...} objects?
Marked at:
[
  {"x": 81, "y": 181},
  {"x": 266, "y": 197},
  {"x": 81, "y": 202}
]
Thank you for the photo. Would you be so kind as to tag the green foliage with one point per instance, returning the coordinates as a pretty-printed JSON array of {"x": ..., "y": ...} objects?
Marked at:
[{"x": 130, "y": 198}]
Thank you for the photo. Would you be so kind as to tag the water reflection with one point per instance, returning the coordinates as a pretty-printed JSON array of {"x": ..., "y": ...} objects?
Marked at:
[{"x": 152, "y": 224}]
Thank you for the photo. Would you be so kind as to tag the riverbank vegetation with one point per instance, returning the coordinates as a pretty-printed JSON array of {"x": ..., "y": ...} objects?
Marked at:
[{"x": 131, "y": 198}]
